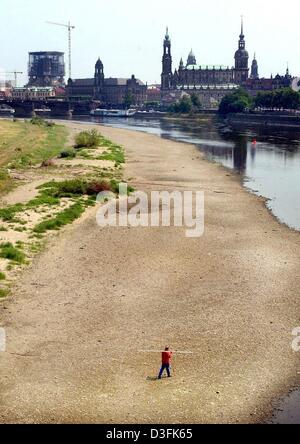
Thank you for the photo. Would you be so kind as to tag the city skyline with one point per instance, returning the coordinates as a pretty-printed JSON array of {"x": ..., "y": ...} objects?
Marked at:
[{"x": 129, "y": 40}]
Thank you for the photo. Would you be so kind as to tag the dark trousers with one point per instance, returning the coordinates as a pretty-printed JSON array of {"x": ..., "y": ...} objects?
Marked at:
[{"x": 163, "y": 368}]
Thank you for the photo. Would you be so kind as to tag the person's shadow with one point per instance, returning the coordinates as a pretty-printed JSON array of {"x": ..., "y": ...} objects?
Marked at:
[{"x": 155, "y": 378}]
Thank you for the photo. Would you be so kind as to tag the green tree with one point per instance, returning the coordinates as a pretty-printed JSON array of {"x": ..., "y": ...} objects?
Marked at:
[
  {"x": 184, "y": 106},
  {"x": 196, "y": 101},
  {"x": 236, "y": 102},
  {"x": 129, "y": 99}
]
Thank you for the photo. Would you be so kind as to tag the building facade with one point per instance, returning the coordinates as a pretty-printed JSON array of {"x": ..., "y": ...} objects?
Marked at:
[
  {"x": 112, "y": 91},
  {"x": 33, "y": 93},
  {"x": 6, "y": 88},
  {"x": 212, "y": 83},
  {"x": 46, "y": 69}
]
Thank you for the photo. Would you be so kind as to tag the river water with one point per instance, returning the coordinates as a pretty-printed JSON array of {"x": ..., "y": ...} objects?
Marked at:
[{"x": 267, "y": 159}]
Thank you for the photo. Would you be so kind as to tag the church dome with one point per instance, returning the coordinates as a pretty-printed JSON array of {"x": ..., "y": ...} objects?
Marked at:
[
  {"x": 241, "y": 53},
  {"x": 191, "y": 61}
]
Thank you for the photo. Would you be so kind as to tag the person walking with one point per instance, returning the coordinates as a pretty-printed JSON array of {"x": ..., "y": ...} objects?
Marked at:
[{"x": 166, "y": 363}]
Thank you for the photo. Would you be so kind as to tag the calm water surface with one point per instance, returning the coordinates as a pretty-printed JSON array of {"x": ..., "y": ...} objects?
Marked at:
[{"x": 270, "y": 167}]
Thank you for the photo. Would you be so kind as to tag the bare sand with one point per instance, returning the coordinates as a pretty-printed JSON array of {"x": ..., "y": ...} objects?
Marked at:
[{"x": 95, "y": 297}]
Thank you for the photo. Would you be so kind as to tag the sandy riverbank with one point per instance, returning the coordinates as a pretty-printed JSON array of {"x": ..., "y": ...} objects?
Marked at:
[{"x": 95, "y": 297}]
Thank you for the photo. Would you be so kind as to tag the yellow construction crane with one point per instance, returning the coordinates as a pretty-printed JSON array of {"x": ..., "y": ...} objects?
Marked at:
[
  {"x": 70, "y": 29},
  {"x": 15, "y": 73}
]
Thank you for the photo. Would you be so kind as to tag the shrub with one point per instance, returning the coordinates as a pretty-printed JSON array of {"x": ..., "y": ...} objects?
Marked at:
[
  {"x": 88, "y": 139},
  {"x": 70, "y": 188},
  {"x": 2, "y": 276},
  {"x": 94, "y": 188},
  {"x": 41, "y": 122},
  {"x": 68, "y": 154}
]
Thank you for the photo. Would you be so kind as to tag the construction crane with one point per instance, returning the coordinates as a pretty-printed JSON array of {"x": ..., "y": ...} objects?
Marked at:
[
  {"x": 70, "y": 29},
  {"x": 15, "y": 73}
]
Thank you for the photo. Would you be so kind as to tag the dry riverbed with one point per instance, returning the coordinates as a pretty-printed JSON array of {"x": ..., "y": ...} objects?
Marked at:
[{"x": 80, "y": 318}]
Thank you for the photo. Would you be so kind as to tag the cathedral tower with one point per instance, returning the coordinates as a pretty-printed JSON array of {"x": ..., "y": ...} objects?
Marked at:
[
  {"x": 241, "y": 72},
  {"x": 166, "y": 77},
  {"x": 99, "y": 79},
  {"x": 254, "y": 69}
]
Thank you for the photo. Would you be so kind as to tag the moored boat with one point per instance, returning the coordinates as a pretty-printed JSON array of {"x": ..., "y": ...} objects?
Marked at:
[
  {"x": 4, "y": 110},
  {"x": 113, "y": 112}
]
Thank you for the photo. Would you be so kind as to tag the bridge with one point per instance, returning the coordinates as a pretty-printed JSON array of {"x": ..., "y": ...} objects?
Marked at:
[{"x": 53, "y": 108}]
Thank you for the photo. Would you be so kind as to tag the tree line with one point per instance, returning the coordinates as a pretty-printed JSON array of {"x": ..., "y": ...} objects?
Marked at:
[{"x": 240, "y": 101}]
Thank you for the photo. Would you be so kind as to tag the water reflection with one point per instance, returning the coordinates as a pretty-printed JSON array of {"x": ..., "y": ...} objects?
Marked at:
[{"x": 270, "y": 167}]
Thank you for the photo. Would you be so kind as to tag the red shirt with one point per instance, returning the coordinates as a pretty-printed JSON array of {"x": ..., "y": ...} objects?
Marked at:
[{"x": 166, "y": 357}]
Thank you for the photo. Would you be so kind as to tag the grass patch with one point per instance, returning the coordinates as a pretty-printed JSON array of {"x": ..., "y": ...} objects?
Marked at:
[
  {"x": 92, "y": 140},
  {"x": 115, "y": 154},
  {"x": 24, "y": 144},
  {"x": 2, "y": 276},
  {"x": 76, "y": 187},
  {"x": 8, "y": 214},
  {"x": 61, "y": 219},
  {"x": 4, "y": 292},
  {"x": 8, "y": 251}
]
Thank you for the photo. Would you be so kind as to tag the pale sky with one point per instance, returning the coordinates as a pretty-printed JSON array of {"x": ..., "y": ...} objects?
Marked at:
[{"x": 128, "y": 35}]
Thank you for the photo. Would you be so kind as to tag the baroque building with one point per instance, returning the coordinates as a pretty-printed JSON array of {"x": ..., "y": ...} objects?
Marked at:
[
  {"x": 212, "y": 83},
  {"x": 111, "y": 91}
]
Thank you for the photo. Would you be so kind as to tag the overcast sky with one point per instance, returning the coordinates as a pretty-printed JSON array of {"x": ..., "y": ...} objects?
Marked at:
[{"x": 128, "y": 35}]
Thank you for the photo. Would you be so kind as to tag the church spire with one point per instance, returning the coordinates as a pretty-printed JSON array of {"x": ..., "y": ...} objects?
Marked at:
[
  {"x": 254, "y": 69},
  {"x": 241, "y": 58},
  {"x": 242, "y": 26},
  {"x": 167, "y": 37},
  {"x": 167, "y": 63},
  {"x": 242, "y": 44}
]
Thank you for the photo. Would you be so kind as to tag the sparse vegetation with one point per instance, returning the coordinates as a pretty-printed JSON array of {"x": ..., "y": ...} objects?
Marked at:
[{"x": 64, "y": 218}]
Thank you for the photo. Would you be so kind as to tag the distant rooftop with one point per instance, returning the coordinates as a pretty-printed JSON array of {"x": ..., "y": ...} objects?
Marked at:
[
  {"x": 119, "y": 81},
  {"x": 41, "y": 53}
]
